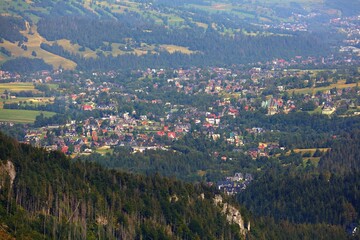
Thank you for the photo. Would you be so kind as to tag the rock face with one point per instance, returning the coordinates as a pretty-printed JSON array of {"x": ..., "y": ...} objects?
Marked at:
[
  {"x": 233, "y": 215},
  {"x": 7, "y": 170}
]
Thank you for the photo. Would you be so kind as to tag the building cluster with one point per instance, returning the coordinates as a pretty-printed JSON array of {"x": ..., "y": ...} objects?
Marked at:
[
  {"x": 234, "y": 184},
  {"x": 107, "y": 112}
]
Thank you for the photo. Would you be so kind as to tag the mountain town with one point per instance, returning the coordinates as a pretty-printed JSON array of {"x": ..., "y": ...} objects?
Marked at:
[{"x": 168, "y": 119}]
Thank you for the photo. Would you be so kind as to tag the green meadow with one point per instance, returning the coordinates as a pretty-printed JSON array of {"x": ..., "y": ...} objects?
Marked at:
[{"x": 21, "y": 116}]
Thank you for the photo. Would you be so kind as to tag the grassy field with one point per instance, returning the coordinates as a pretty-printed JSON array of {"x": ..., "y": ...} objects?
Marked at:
[
  {"x": 105, "y": 149},
  {"x": 174, "y": 48},
  {"x": 21, "y": 116},
  {"x": 23, "y": 86},
  {"x": 339, "y": 85},
  {"x": 310, "y": 150},
  {"x": 201, "y": 24},
  {"x": 317, "y": 110},
  {"x": 28, "y": 100},
  {"x": 33, "y": 44},
  {"x": 214, "y": 7},
  {"x": 125, "y": 4},
  {"x": 16, "y": 87}
]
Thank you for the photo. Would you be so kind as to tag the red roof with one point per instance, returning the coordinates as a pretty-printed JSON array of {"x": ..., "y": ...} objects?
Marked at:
[
  {"x": 161, "y": 133},
  {"x": 87, "y": 108},
  {"x": 171, "y": 135},
  {"x": 232, "y": 110},
  {"x": 64, "y": 149}
]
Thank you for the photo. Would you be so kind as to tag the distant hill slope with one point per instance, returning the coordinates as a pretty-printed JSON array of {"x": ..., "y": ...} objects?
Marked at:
[
  {"x": 347, "y": 7},
  {"x": 133, "y": 34}
]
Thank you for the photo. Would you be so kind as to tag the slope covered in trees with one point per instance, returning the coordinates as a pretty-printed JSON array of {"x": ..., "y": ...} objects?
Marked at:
[
  {"x": 306, "y": 199},
  {"x": 327, "y": 195},
  {"x": 10, "y": 28},
  {"x": 22, "y": 64},
  {"x": 344, "y": 157},
  {"x": 209, "y": 46},
  {"x": 52, "y": 197},
  {"x": 44, "y": 195},
  {"x": 119, "y": 36}
]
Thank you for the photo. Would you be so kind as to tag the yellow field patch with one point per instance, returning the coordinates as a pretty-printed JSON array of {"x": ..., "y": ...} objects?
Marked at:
[
  {"x": 68, "y": 46},
  {"x": 140, "y": 52},
  {"x": 201, "y": 173},
  {"x": 203, "y": 25},
  {"x": 33, "y": 44},
  {"x": 221, "y": 6},
  {"x": 16, "y": 87},
  {"x": 174, "y": 48},
  {"x": 89, "y": 54},
  {"x": 104, "y": 149},
  {"x": 339, "y": 85},
  {"x": 306, "y": 150},
  {"x": 13, "y": 48},
  {"x": 310, "y": 150},
  {"x": 129, "y": 5},
  {"x": 74, "y": 48},
  {"x": 264, "y": 19},
  {"x": 115, "y": 49},
  {"x": 342, "y": 84}
]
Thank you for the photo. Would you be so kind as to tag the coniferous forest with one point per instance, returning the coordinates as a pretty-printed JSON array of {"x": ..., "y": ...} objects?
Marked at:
[
  {"x": 45, "y": 195},
  {"x": 328, "y": 195},
  {"x": 52, "y": 197}
]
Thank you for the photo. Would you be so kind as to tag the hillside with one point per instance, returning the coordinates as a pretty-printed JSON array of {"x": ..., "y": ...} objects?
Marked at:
[
  {"x": 140, "y": 34},
  {"x": 44, "y": 195},
  {"x": 326, "y": 195}
]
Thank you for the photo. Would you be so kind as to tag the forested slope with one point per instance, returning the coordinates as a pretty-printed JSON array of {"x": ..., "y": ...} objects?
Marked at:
[
  {"x": 328, "y": 194},
  {"x": 137, "y": 34},
  {"x": 44, "y": 195},
  {"x": 52, "y": 197}
]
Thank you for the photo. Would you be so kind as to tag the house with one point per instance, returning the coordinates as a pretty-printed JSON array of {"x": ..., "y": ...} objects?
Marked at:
[
  {"x": 160, "y": 133},
  {"x": 215, "y": 136},
  {"x": 233, "y": 112},
  {"x": 171, "y": 135},
  {"x": 253, "y": 153},
  {"x": 64, "y": 149},
  {"x": 236, "y": 178},
  {"x": 87, "y": 150},
  {"x": 87, "y": 108}
]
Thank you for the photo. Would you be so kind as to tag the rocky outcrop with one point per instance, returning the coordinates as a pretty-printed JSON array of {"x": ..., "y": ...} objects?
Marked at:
[
  {"x": 7, "y": 170},
  {"x": 233, "y": 215}
]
